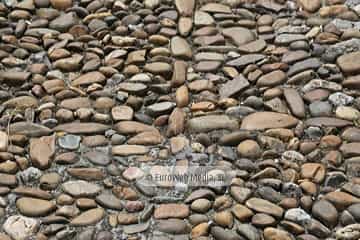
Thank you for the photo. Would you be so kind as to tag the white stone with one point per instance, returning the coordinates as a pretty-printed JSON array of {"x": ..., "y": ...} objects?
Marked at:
[{"x": 20, "y": 227}]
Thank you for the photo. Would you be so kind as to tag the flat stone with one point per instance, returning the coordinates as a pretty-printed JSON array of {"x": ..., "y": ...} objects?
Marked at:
[
  {"x": 341, "y": 200},
  {"x": 98, "y": 157},
  {"x": 216, "y": 8},
  {"x": 185, "y": 7},
  {"x": 171, "y": 210},
  {"x": 14, "y": 77},
  {"x": 82, "y": 128},
  {"x": 70, "y": 142},
  {"x": 158, "y": 68},
  {"x": 132, "y": 127},
  {"x": 42, "y": 151},
  {"x": 89, "y": 78},
  {"x": 4, "y": 141},
  {"x": 276, "y": 234},
  {"x": 22, "y": 102},
  {"x": 76, "y": 103},
  {"x": 136, "y": 228},
  {"x": 268, "y": 120},
  {"x": 64, "y": 22},
  {"x": 172, "y": 226},
  {"x": 349, "y": 63},
  {"x": 180, "y": 48},
  {"x": 239, "y": 35},
  {"x": 161, "y": 108},
  {"x": 264, "y": 206},
  {"x": 311, "y": 63},
  {"x": 33, "y": 207},
  {"x": 88, "y": 174},
  {"x": 89, "y": 217},
  {"x": 328, "y": 217},
  {"x": 21, "y": 228},
  {"x": 127, "y": 150},
  {"x": 349, "y": 232},
  {"x": 8, "y": 180},
  {"x": 285, "y": 39},
  {"x": 310, "y": 5},
  {"x": 210, "y": 123},
  {"x": 246, "y": 60},
  {"x": 207, "y": 66},
  {"x": 352, "y": 82},
  {"x": 350, "y": 149},
  {"x": 295, "y": 102},
  {"x": 146, "y": 138},
  {"x": 203, "y": 19},
  {"x": 253, "y": 46},
  {"x": 81, "y": 188},
  {"x": 233, "y": 87},
  {"x": 133, "y": 88},
  {"x": 271, "y": 79},
  {"x": 121, "y": 113},
  {"x": 327, "y": 122},
  {"x": 29, "y": 129},
  {"x": 108, "y": 200}
]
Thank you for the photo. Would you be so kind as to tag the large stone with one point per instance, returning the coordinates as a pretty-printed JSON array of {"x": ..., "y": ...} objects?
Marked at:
[
  {"x": 33, "y": 207},
  {"x": 271, "y": 79},
  {"x": 82, "y": 128},
  {"x": 264, "y": 206},
  {"x": 185, "y": 7},
  {"x": 310, "y": 5},
  {"x": 267, "y": 120},
  {"x": 132, "y": 127},
  {"x": 42, "y": 151},
  {"x": 89, "y": 217},
  {"x": 327, "y": 122},
  {"x": 64, "y": 22},
  {"x": 171, "y": 210},
  {"x": 349, "y": 63},
  {"x": 271, "y": 233},
  {"x": 325, "y": 212},
  {"x": 233, "y": 87},
  {"x": 295, "y": 102},
  {"x": 89, "y": 78},
  {"x": 180, "y": 48},
  {"x": 22, "y": 102},
  {"x": 127, "y": 150},
  {"x": 4, "y": 140},
  {"x": 239, "y": 35},
  {"x": 210, "y": 123},
  {"x": 21, "y": 228},
  {"x": 81, "y": 188}
]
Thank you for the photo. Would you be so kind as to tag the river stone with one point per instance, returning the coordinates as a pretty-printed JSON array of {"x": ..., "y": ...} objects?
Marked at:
[
  {"x": 295, "y": 102},
  {"x": 89, "y": 217},
  {"x": 81, "y": 188},
  {"x": 349, "y": 63},
  {"x": 180, "y": 48},
  {"x": 126, "y": 150},
  {"x": 239, "y": 35},
  {"x": 21, "y": 228},
  {"x": 22, "y": 102},
  {"x": 268, "y": 120},
  {"x": 349, "y": 232},
  {"x": 82, "y": 128},
  {"x": 264, "y": 206},
  {"x": 32, "y": 207},
  {"x": 185, "y": 7},
  {"x": 171, "y": 210},
  {"x": 233, "y": 87},
  {"x": 29, "y": 129},
  {"x": 64, "y": 22},
  {"x": 328, "y": 217},
  {"x": 42, "y": 151},
  {"x": 70, "y": 142},
  {"x": 89, "y": 78},
  {"x": 210, "y": 123}
]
